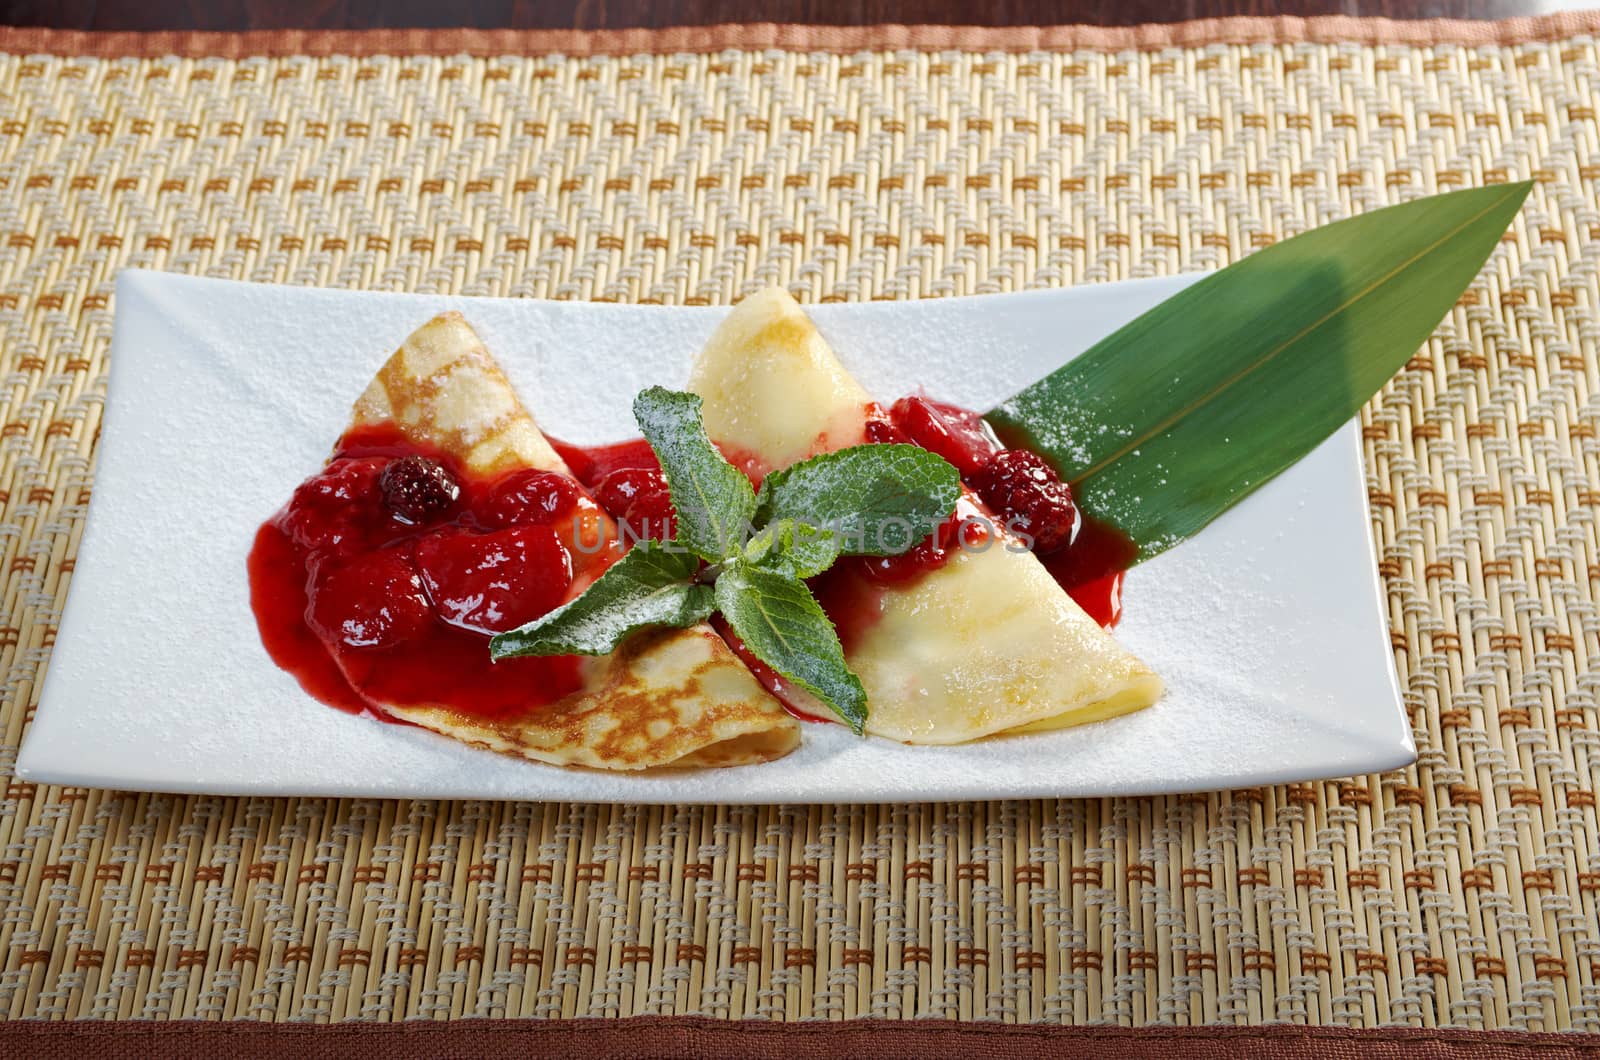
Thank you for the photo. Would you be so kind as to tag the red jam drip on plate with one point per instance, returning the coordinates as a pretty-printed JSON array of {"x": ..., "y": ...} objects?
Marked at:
[
  {"x": 478, "y": 559},
  {"x": 278, "y": 597},
  {"x": 1092, "y": 567}
]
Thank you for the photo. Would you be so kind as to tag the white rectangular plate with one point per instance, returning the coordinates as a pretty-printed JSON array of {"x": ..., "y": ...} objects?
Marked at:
[{"x": 1269, "y": 628}]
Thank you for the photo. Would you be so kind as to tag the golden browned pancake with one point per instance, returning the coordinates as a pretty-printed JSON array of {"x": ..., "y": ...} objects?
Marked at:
[
  {"x": 665, "y": 699},
  {"x": 986, "y": 644}
]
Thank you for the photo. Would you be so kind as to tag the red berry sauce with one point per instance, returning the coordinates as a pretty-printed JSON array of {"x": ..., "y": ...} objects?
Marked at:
[
  {"x": 544, "y": 497},
  {"x": 591, "y": 464},
  {"x": 1015, "y": 489},
  {"x": 1091, "y": 569},
  {"x": 959, "y": 435},
  {"x": 376, "y": 585},
  {"x": 383, "y": 578},
  {"x": 968, "y": 526},
  {"x": 639, "y": 499},
  {"x": 497, "y": 581}
]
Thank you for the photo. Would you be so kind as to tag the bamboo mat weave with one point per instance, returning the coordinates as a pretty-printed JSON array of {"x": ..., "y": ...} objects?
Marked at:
[{"x": 1461, "y": 892}]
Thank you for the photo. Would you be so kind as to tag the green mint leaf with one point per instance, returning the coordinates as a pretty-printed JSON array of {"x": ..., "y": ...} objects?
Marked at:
[
  {"x": 649, "y": 586},
  {"x": 713, "y": 499},
  {"x": 794, "y": 549},
  {"x": 783, "y": 625},
  {"x": 879, "y": 499}
]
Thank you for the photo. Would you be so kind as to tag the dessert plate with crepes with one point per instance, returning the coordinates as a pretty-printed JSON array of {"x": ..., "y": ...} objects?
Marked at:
[{"x": 982, "y": 676}]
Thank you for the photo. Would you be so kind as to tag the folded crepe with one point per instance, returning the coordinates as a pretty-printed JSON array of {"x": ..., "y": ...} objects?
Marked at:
[
  {"x": 670, "y": 698},
  {"x": 988, "y": 643}
]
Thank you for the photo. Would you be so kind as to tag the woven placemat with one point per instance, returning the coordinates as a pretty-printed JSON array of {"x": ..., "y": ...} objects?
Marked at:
[{"x": 1461, "y": 892}]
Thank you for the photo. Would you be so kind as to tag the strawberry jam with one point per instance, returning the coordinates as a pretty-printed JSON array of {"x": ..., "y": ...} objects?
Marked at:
[
  {"x": 543, "y": 497},
  {"x": 494, "y": 582},
  {"x": 591, "y": 463},
  {"x": 383, "y": 578},
  {"x": 638, "y": 497}
]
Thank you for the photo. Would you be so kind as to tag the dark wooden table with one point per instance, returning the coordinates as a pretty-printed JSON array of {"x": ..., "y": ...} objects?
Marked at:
[{"x": 613, "y": 14}]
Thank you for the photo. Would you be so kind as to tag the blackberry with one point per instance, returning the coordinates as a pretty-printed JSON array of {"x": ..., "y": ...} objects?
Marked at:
[{"x": 418, "y": 489}]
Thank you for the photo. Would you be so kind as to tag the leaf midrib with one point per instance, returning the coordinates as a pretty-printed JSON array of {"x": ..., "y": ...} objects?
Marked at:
[
  {"x": 771, "y": 624},
  {"x": 1210, "y": 395},
  {"x": 717, "y": 530}
]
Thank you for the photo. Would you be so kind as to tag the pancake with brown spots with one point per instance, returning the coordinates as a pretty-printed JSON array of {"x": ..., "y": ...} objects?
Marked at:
[{"x": 672, "y": 698}]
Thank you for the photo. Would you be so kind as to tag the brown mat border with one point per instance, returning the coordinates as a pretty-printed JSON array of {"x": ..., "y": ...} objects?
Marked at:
[
  {"x": 654, "y": 1036},
  {"x": 685, "y": 1036},
  {"x": 1239, "y": 30}
]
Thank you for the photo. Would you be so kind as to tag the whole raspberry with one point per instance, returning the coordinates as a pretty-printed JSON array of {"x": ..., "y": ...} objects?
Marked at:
[
  {"x": 1027, "y": 493},
  {"x": 418, "y": 489}
]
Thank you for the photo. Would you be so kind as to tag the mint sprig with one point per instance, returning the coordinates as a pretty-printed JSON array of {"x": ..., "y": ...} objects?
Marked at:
[
  {"x": 796, "y": 549},
  {"x": 879, "y": 499},
  {"x": 757, "y": 550},
  {"x": 713, "y": 499},
  {"x": 651, "y": 585},
  {"x": 783, "y": 625}
]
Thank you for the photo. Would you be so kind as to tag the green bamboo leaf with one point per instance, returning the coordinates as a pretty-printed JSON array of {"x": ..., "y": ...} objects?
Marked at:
[{"x": 1167, "y": 423}]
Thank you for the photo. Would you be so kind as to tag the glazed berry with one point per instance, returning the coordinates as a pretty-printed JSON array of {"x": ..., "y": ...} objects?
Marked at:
[
  {"x": 418, "y": 489},
  {"x": 494, "y": 582},
  {"x": 618, "y": 490},
  {"x": 639, "y": 498},
  {"x": 960, "y": 436},
  {"x": 530, "y": 497},
  {"x": 880, "y": 429},
  {"x": 370, "y": 601},
  {"x": 652, "y": 515},
  {"x": 1028, "y": 495},
  {"x": 882, "y": 432},
  {"x": 329, "y": 511}
]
